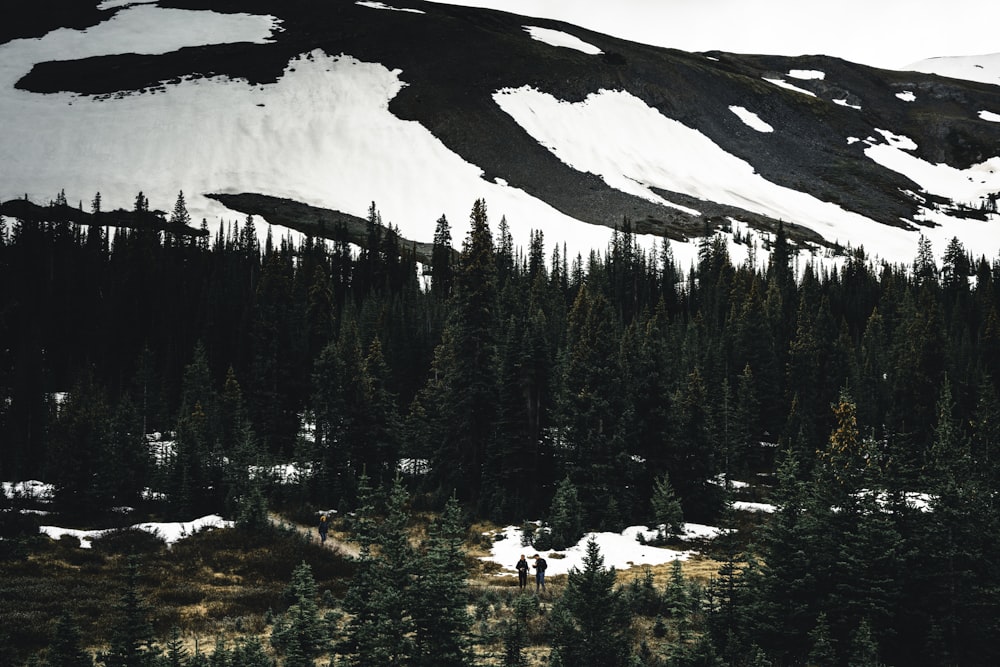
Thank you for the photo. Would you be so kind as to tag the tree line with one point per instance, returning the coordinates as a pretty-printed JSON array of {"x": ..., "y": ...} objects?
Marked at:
[
  {"x": 506, "y": 372},
  {"x": 592, "y": 391}
]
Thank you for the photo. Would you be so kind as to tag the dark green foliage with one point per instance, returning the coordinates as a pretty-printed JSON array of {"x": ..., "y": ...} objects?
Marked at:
[
  {"x": 439, "y": 594},
  {"x": 590, "y": 623},
  {"x": 610, "y": 371},
  {"x": 132, "y": 642},
  {"x": 65, "y": 649},
  {"x": 300, "y": 634},
  {"x": 381, "y": 623},
  {"x": 564, "y": 527},
  {"x": 667, "y": 511}
]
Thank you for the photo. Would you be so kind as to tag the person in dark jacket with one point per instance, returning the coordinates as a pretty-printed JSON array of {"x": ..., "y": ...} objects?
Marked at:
[
  {"x": 522, "y": 572},
  {"x": 324, "y": 526},
  {"x": 539, "y": 566}
]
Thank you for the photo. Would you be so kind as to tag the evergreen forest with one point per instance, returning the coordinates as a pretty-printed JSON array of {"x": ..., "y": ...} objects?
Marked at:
[{"x": 180, "y": 373}]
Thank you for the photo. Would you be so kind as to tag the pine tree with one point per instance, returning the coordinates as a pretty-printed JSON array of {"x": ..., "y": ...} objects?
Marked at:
[
  {"x": 176, "y": 654},
  {"x": 438, "y": 596},
  {"x": 667, "y": 512},
  {"x": 300, "y": 634},
  {"x": 461, "y": 394},
  {"x": 565, "y": 527},
  {"x": 591, "y": 404},
  {"x": 65, "y": 649},
  {"x": 590, "y": 621},
  {"x": 132, "y": 638},
  {"x": 380, "y": 628},
  {"x": 442, "y": 271},
  {"x": 78, "y": 451},
  {"x": 249, "y": 652},
  {"x": 822, "y": 653}
]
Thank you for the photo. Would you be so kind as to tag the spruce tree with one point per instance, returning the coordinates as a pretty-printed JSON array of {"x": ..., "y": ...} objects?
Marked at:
[
  {"x": 300, "y": 634},
  {"x": 380, "y": 626},
  {"x": 175, "y": 654},
  {"x": 442, "y": 269},
  {"x": 590, "y": 621},
  {"x": 667, "y": 513},
  {"x": 132, "y": 637},
  {"x": 438, "y": 596},
  {"x": 65, "y": 649},
  {"x": 565, "y": 520}
]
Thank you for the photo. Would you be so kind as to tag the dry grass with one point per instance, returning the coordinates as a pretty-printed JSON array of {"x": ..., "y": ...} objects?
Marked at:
[{"x": 218, "y": 583}]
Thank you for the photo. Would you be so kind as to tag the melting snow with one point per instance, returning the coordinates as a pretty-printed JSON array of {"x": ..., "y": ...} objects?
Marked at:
[
  {"x": 806, "y": 74},
  {"x": 844, "y": 103},
  {"x": 621, "y": 550},
  {"x": 382, "y": 5},
  {"x": 637, "y": 161},
  {"x": 784, "y": 84},
  {"x": 751, "y": 119},
  {"x": 31, "y": 488},
  {"x": 171, "y": 531},
  {"x": 559, "y": 38}
]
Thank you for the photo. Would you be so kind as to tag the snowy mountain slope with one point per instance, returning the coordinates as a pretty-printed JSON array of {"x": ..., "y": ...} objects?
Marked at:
[
  {"x": 982, "y": 68},
  {"x": 423, "y": 108}
]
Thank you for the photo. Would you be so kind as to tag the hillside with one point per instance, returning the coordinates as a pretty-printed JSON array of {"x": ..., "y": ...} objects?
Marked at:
[{"x": 335, "y": 105}]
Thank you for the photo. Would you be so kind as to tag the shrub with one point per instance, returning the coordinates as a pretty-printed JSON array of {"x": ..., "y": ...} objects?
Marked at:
[{"x": 129, "y": 541}]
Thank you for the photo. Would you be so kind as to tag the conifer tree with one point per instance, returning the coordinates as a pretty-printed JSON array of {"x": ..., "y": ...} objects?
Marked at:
[
  {"x": 822, "y": 653},
  {"x": 175, "y": 654},
  {"x": 438, "y": 596},
  {"x": 65, "y": 649},
  {"x": 78, "y": 450},
  {"x": 380, "y": 628},
  {"x": 565, "y": 526},
  {"x": 300, "y": 634},
  {"x": 249, "y": 652},
  {"x": 590, "y": 621},
  {"x": 132, "y": 638},
  {"x": 461, "y": 394},
  {"x": 667, "y": 512},
  {"x": 590, "y": 405},
  {"x": 442, "y": 270}
]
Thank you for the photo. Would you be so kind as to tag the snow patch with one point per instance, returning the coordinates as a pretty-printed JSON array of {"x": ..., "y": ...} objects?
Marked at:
[
  {"x": 807, "y": 74},
  {"x": 844, "y": 103},
  {"x": 753, "y": 507},
  {"x": 620, "y": 550},
  {"x": 751, "y": 119},
  {"x": 635, "y": 162},
  {"x": 907, "y": 96},
  {"x": 171, "y": 531},
  {"x": 382, "y": 5},
  {"x": 781, "y": 83},
  {"x": 990, "y": 116},
  {"x": 30, "y": 489},
  {"x": 562, "y": 39}
]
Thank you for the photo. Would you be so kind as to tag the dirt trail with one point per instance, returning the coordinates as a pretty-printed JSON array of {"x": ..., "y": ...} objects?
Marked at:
[{"x": 333, "y": 542}]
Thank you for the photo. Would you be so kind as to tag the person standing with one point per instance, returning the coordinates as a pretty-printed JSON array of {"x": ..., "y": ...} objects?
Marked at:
[
  {"x": 324, "y": 526},
  {"x": 522, "y": 572},
  {"x": 539, "y": 566}
]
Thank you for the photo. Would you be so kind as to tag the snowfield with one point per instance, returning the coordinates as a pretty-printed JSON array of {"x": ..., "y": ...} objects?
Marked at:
[
  {"x": 293, "y": 138},
  {"x": 170, "y": 531}
]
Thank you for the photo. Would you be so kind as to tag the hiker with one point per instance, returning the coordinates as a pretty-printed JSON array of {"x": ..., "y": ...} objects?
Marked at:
[
  {"x": 522, "y": 572},
  {"x": 539, "y": 566},
  {"x": 324, "y": 526}
]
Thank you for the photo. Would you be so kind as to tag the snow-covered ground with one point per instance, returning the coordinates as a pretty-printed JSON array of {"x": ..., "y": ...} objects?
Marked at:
[
  {"x": 170, "y": 531},
  {"x": 620, "y": 550},
  {"x": 31, "y": 489}
]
